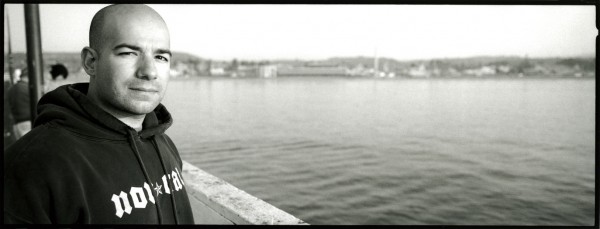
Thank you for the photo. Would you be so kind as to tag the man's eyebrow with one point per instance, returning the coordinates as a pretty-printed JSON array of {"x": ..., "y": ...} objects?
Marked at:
[
  {"x": 164, "y": 51},
  {"x": 136, "y": 48}
]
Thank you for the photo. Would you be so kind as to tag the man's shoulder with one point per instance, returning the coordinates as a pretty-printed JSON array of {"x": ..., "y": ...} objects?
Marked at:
[
  {"x": 167, "y": 142},
  {"x": 42, "y": 145}
]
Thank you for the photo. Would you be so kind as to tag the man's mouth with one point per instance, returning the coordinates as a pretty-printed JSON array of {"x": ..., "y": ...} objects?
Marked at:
[{"x": 144, "y": 89}]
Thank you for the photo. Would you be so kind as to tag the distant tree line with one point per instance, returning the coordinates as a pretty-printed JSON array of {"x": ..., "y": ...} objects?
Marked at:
[{"x": 192, "y": 65}]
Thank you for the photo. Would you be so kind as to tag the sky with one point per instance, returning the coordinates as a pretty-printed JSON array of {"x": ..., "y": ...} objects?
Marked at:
[{"x": 402, "y": 32}]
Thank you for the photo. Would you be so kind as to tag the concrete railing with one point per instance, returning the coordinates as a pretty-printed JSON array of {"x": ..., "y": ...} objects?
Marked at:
[{"x": 215, "y": 201}]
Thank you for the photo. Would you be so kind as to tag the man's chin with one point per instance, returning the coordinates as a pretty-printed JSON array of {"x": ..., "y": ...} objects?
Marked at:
[{"x": 142, "y": 109}]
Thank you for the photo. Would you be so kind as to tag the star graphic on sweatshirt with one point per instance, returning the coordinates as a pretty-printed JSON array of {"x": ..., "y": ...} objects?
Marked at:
[{"x": 158, "y": 188}]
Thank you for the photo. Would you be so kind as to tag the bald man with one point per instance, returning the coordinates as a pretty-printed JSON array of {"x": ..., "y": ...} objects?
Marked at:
[{"x": 98, "y": 152}]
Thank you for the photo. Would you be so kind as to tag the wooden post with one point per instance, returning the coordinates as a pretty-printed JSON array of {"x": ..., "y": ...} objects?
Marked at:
[
  {"x": 34, "y": 56},
  {"x": 10, "y": 56}
]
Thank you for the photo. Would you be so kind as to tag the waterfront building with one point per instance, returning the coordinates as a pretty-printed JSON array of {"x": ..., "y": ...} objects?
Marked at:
[
  {"x": 420, "y": 71},
  {"x": 312, "y": 71},
  {"x": 267, "y": 71}
]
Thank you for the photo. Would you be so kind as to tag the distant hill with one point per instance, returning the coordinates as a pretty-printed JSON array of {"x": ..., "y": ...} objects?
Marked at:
[
  {"x": 468, "y": 62},
  {"x": 189, "y": 64},
  {"x": 72, "y": 60}
]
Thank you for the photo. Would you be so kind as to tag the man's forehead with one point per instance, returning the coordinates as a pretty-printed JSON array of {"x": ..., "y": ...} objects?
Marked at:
[
  {"x": 135, "y": 32},
  {"x": 117, "y": 20}
]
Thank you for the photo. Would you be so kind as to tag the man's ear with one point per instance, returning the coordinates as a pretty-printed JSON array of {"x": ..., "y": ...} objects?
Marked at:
[{"x": 89, "y": 58}]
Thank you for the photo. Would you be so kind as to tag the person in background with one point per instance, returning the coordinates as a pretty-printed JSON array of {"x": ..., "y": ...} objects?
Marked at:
[
  {"x": 20, "y": 108},
  {"x": 58, "y": 70},
  {"x": 98, "y": 152}
]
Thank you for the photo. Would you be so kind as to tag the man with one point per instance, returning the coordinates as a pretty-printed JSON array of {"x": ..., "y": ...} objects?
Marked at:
[
  {"x": 98, "y": 152},
  {"x": 20, "y": 109}
]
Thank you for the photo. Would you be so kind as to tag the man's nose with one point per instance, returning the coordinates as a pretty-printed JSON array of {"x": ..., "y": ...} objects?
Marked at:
[{"x": 146, "y": 68}]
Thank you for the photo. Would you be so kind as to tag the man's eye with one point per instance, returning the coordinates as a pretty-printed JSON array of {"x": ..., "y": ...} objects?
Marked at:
[
  {"x": 162, "y": 58},
  {"x": 127, "y": 53}
]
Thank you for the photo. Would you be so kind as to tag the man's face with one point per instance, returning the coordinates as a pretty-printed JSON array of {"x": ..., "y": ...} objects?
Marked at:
[{"x": 132, "y": 70}]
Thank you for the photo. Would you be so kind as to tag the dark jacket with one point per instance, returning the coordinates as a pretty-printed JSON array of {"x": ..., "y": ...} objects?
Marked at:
[
  {"x": 82, "y": 165},
  {"x": 18, "y": 101}
]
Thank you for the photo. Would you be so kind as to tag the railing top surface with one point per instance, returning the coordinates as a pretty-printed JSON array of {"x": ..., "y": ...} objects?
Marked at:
[{"x": 234, "y": 204}]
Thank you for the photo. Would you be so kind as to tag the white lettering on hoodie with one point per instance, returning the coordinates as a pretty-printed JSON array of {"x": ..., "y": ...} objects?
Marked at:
[{"x": 140, "y": 196}]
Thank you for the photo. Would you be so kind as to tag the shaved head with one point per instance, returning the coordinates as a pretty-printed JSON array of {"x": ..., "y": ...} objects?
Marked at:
[
  {"x": 109, "y": 17},
  {"x": 128, "y": 61}
]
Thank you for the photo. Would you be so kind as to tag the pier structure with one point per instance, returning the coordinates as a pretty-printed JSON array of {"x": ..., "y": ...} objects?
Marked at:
[{"x": 215, "y": 201}]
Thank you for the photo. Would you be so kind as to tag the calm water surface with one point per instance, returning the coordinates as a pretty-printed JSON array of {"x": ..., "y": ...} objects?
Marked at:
[{"x": 397, "y": 151}]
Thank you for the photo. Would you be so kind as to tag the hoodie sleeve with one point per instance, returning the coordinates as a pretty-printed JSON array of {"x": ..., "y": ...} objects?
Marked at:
[{"x": 34, "y": 183}]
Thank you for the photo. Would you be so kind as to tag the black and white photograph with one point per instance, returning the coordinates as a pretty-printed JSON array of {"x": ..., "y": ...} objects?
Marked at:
[{"x": 300, "y": 114}]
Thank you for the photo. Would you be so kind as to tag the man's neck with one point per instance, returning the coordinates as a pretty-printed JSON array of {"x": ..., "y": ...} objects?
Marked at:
[{"x": 134, "y": 122}]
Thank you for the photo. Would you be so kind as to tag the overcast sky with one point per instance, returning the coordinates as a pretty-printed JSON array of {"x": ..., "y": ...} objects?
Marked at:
[{"x": 320, "y": 31}]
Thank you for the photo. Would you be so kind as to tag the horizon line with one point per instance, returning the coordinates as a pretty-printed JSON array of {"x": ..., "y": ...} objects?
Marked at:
[{"x": 589, "y": 55}]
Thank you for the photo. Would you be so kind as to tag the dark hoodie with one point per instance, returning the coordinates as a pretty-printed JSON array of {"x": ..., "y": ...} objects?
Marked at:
[{"x": 82, "y": 165}]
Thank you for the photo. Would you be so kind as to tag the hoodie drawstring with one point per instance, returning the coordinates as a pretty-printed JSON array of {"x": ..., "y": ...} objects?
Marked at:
[
  {"x": 131, "y": 137},
  {"x": 174, "y": 204}
]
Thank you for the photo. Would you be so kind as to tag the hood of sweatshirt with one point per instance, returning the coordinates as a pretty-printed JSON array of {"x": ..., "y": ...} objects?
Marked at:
[{"x": 69, "y": 106}]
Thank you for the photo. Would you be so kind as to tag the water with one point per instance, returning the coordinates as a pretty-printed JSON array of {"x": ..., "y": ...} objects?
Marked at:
[{"x": 397, "y": 151}]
